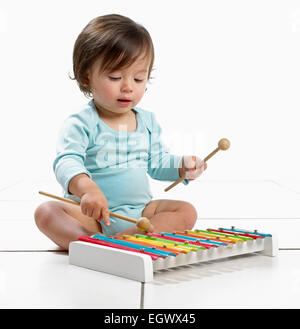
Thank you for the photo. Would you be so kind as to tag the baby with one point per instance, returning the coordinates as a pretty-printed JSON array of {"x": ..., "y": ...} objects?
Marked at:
[{"x": 105, "y": 151}]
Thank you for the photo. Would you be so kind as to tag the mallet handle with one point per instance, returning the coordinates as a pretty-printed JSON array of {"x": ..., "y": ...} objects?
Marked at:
[
  {"x": 128, "y": 219},
  {"x": 211, "y": 154}
]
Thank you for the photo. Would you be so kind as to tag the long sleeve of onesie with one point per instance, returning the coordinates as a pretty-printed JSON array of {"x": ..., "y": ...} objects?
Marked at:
[{"x": 71, "y": 149}]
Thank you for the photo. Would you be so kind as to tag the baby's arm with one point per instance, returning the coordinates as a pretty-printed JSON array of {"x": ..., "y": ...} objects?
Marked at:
[
  {"x": 93, "y": 202},
  {"x": 70, "y": 170}
]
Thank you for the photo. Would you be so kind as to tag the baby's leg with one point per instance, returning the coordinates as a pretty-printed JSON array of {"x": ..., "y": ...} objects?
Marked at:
[
  {"x": 167, "y": 216},
  {"x": 63, "y": 222}
]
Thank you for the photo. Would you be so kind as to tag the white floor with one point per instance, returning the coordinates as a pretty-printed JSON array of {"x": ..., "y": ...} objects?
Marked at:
[{"x": 34, "y": 272}]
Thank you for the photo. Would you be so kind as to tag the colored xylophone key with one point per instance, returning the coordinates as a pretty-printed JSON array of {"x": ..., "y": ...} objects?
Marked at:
[
  {"x": 186, "y": 242},
  {"x": 112, "y": 245},
  {"x": 206, "y": 236},
  {"x": 209, "y": 234},
  {"x": 249, "y": 235},
  {"x": 154, "y": 244},
  {"x": 149, "y": 244},
  {"x": 161, "y": 242},
  {"x": 244, "y": 232},
  {"x": 206, "y": 243},
  {"x": 179, "y": 237},
  {"x": 155, "y": 240},
  {"x": 132, "y": 245},
  {"x": 233, "y": 237}
]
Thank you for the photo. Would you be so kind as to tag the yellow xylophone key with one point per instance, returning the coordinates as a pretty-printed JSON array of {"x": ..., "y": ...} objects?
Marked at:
[
  {"x": 176, "y": 252},
  {"x": 223, "y": 236},
  {"x": 208, "y": 236},
  {"x": 161, "y": 244}
]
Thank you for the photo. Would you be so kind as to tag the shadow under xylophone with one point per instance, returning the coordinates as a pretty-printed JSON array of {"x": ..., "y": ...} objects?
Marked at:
[{"x": 137, "y": 257}]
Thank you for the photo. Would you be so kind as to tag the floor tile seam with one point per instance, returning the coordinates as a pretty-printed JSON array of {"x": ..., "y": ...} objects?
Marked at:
[
  {"x": 289, "y": 248},
  {"x": 284, "y": 186},
  {"x": 12, "y": 185},
  {"x": 142, "y": 298}
]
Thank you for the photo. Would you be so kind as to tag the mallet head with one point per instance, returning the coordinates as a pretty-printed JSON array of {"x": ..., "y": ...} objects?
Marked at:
[
  {"x": 144, "y": 224},
  {"x": 224, "y": 144}
]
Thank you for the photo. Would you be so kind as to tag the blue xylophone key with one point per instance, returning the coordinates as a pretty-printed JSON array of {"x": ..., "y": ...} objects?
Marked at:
[
  {"x": 134, "y": 245},
  {"x": 195, "y": 239},
  {"x": 244, "y": 231}
]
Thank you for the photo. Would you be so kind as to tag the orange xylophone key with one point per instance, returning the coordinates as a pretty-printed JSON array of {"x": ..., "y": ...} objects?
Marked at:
[
  {"x": 196, "y": 243},
  {"x": 158, "y": 242},
  {"x": 175, "y": 251}
]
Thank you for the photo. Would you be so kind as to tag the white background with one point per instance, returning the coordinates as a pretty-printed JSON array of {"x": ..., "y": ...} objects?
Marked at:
[{"x": 222, "y": 69}]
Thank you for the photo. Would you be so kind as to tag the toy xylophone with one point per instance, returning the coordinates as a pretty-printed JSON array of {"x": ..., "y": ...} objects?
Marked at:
[{"x": 137, "y": 257}]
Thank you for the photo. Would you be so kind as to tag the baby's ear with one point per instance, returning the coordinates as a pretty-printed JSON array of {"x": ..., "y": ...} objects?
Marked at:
[{"x": 86, "y": 80}]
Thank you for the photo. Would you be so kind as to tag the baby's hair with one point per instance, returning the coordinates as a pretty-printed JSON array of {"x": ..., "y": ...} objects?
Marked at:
[{"x": 116, "y": 40}]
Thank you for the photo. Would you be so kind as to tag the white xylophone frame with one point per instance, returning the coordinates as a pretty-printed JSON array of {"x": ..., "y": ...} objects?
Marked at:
[{"x": 140, "y": 267}]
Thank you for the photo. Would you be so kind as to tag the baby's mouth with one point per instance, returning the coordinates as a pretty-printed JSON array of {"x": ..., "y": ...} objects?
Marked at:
[{"x": 123, "y": 101}]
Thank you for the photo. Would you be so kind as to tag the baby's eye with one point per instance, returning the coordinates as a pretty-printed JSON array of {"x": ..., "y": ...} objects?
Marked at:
[
  {"x": 114, "y": 78},
  {"x": 138, "y": 80}
]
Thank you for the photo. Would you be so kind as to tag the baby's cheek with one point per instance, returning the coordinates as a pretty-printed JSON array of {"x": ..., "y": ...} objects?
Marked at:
[
  {"x": 108, "y": 92},
  {"x": 140, "y": 92}
]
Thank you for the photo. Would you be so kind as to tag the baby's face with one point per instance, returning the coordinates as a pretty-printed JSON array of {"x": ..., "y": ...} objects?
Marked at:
[{"x": 121, "y": 90}]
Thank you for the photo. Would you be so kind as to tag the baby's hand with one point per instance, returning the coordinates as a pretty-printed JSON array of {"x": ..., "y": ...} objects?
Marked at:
[
  {"x": 94, "y": 204},
  {"x": 192, "y": 167}
]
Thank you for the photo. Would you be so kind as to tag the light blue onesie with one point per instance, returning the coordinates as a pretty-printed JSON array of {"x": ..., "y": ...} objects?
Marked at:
[{"x": 117, "y": 161}]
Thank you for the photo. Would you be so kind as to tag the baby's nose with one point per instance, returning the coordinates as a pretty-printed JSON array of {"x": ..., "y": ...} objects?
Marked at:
[{"x": 126, "y": 86}]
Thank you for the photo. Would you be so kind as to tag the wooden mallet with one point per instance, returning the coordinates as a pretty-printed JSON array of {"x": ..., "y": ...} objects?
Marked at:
[
  {"x": 223, "y": 145},
  {"x": 142, "y": 223}
]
